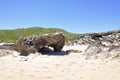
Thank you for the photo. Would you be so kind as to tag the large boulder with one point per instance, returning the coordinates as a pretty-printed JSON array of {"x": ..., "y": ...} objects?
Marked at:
[
  {"x": 32, "y": 44},
  {"x": 56, "y": 40}
]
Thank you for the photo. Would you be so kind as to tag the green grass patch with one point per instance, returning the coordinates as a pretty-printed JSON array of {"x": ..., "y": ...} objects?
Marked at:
[{"x": 13, "y": 35}]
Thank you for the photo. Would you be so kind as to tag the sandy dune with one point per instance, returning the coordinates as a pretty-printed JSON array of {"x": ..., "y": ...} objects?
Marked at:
[{"x": 71, "y": 66}]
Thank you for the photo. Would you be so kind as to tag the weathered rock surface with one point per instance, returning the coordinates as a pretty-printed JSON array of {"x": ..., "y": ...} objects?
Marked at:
[
  {"x": 101, "y": 45},
  {"x": 106, "y": 38},
  {"x": 33, "y": 44},
  {"x": 56, "y": 41},
  {"x": 102, "y": 51}
]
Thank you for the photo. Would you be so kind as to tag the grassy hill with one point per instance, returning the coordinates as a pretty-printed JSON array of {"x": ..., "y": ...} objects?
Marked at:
[{"x": 13, "y": 35}]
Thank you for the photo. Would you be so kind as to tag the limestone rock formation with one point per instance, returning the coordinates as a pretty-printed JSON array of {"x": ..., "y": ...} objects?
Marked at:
[
  {"x": 55, "y": 40},
  {"x": 102, "y": 51},
  {"x": 33, "y": 44},
  {"x": 106, "y": 38},
  {"x": 101, "y": 45}
]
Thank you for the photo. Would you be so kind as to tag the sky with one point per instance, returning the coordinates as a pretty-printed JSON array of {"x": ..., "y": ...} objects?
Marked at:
[{"x": 77, "y": 16}]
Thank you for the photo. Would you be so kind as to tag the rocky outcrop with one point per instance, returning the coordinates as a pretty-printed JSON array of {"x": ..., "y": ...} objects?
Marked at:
[
  {"x": 102, "y": 51},
  {"x": 101, "y": 45},
  {"x": 106, "y": 38},
  {"x": 33, "y": 44},
  {"x": 55, "y": 40}
]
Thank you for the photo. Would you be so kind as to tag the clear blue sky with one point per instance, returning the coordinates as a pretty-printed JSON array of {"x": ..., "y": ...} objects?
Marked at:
[{"x": 78, "y": 16}]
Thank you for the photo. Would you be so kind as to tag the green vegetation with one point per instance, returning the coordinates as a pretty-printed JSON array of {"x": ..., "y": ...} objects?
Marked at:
[{"x": 13, "y": 35}]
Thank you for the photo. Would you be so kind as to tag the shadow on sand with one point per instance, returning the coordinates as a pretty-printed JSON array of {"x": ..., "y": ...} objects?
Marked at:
[{"x": 48, "y": 51}]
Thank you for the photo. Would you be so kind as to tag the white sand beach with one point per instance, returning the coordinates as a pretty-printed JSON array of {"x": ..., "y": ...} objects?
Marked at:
[{"x": 71, "y": 66}]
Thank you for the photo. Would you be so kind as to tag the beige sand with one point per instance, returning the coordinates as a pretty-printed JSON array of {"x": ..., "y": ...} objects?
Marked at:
[{"x": 58, "y": 67}]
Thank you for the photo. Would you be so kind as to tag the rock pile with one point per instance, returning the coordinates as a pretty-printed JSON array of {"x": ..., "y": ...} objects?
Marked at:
[
  {"x": 101, "y": 45},
  {"x": 106, "y": 38}
]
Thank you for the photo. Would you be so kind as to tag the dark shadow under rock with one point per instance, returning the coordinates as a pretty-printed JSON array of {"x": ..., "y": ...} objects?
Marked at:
[
  {"x": 24, "y": 53},
  {"x": 48, "y": 51}
]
